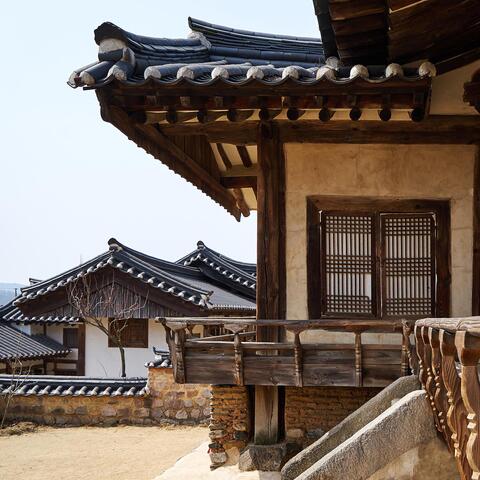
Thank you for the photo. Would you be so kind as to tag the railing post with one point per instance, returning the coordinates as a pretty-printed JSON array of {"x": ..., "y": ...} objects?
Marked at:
[
  {"x": 429, "y": 377},
  {"x": 440, "y": 392},
  {"x": 468, "y": 348},
  {"x": 238, "y": 352},
  {"x": 178, "y": 339},
  {"x": 358, "y": 359},
  {"x": 457, "y": 414},
  {"x": 409, "y": 361},
  {"x": 298, "y": 360}
]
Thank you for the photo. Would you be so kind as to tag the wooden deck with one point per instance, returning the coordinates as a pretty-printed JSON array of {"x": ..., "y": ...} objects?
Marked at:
[{"x": 236, "y": 359}]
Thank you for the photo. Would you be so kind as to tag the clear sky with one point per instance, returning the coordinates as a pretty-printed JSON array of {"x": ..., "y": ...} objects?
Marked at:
[{"x": 69, "y": 181}]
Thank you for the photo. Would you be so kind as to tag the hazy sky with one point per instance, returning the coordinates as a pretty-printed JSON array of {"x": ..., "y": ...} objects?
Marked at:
[{"x": 69, "y": 181}]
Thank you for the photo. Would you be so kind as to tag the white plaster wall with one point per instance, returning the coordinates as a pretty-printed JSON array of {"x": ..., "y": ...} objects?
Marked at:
[
  {"x": 102, "y": 361},
  {"x": 401, "y": 171},
  {"x": 56, "y": 333}
]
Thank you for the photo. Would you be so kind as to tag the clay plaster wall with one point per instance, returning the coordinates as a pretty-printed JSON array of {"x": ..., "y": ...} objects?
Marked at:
[{"x": 401, "y": 171}]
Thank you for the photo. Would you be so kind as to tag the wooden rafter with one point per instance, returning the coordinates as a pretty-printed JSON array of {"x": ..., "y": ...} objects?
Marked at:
[{"x": 153, "y": 141}]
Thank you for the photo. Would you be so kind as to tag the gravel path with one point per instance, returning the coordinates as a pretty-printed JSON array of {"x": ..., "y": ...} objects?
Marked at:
[{"x": 80, "y": 453}]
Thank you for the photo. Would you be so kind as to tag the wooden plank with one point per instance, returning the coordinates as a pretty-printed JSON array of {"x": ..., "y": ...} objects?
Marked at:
[
  {"x": 266, "y": 425},
  {"x": 245, "y": 156},
  {"x": 271, "y": 271},
  {"x": 476, "y": 236},
  {"x": 239, "y": 182},
  {"x": 81, "y": 350}
]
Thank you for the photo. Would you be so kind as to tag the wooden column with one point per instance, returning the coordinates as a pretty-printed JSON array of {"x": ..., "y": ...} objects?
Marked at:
[
  {"x": 476, "y": 236},
  {"x": 81, "y": 350},
  {"x": 271, "y": 276}
]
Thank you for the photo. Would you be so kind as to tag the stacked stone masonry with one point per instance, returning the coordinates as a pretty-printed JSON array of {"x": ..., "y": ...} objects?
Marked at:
[
  {"x": 229, "y": 423},
  {"x": 165, "y": 403},
  {"x": 312, "y": 411}
]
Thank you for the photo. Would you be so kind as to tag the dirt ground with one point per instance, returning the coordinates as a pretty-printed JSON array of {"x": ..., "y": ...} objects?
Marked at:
[{"x": 122, "y": 453}]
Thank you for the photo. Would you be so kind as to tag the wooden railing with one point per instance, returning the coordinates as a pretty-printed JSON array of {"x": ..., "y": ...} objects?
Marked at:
[
  {"x": 449, "y": 354},
  {"x": 237, "y": 359}
]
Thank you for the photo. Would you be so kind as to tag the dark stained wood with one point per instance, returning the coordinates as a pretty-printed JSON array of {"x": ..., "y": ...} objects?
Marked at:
[
  {"x": 271, "y": 272},
  {"x": 239, "y": 182},
  {"x": 245, "y": 156},
  {"x": 224, "y": 157},
  {"x": 476, "y": 236},
  {"x": 435, "y": 129},
  {"x": 81, "y": 350},
  {"x": 151, "y": 139},
  {"x": 379, "y": 210}
]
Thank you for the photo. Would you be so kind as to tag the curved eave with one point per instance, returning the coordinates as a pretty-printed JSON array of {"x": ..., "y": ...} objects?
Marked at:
[{"x": 281, "y": 85}]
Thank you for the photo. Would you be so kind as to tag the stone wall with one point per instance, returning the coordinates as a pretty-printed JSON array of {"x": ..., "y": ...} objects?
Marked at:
[
  {"x": 165, "y": 403},
  {"x": 177, "y": 403},
  {"x": 229, "y": 423},
  {"x": 312, "y": 411}
]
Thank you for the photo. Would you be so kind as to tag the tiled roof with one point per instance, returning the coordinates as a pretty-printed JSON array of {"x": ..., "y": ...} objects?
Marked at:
[
  {"x": 215, "y": 54},
  {"x": 239, "y": 275},
  {"x": 16, "y": 345},
  {"x": 72, "y": 386},
  {"x": 162, "y": 359},
  {"x": 12, "y": 314},
  {"x": 186, "y": 283}
]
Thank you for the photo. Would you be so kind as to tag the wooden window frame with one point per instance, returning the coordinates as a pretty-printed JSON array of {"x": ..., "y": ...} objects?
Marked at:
[
  {"x": 125, "y": 342},
  {"x": 66, "y": 341},
  {"x": 372, "y": 205}
]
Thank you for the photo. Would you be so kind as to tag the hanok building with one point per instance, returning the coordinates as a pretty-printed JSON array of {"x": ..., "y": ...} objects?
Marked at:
[
  {"x": 65, "y": 311},
  {"x": 358, "y": 152}
]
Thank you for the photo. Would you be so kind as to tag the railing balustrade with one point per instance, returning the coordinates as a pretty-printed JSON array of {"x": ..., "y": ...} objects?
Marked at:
[
  {"x": 449, "y": 352},
  {"x": 236, "y": 358}
]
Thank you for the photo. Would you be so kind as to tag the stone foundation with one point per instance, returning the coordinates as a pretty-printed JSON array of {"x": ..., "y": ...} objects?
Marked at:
[
  {"x": 312, "y": 411},
  {"x": 165, "y": 403},
  {"x": 229, "y": 423}
]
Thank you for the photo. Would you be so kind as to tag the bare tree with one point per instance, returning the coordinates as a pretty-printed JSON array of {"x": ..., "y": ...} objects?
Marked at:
[
  {"x": 18, "y": 378},
  {"x": 94, "y": 302}
]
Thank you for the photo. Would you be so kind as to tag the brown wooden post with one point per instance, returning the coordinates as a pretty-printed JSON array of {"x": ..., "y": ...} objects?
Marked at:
[
  {"x": 271, "y": 281},
  {"x": 468, "y": 349},
  {"x": 476, "y": 236},
  {"x": 81, "y": 350}
]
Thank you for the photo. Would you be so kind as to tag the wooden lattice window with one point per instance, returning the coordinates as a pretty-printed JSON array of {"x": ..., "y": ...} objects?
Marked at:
[
  {"x": 378, "y": 259},
  {"x": 70, "y": 337},
  {"x": 133, "y": 332}
]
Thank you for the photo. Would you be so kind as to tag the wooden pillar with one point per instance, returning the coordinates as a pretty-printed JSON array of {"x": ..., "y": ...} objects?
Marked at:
[
  {"x": 271, "y": 276},
  {"x": 81, "y": 349},
  {"x": 476, "y": 236}
]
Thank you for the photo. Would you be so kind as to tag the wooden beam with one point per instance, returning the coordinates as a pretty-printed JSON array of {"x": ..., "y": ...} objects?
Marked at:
[
  {"x": 244, "y": 155},
  {"x": 239, "y": 182},
  {"x": 81, "y": 350},
  {"x": 224, "y": 157},
  {"x": 271, "y": 225},
  {"x": 476, "y": 236},
  {"x": 271, "y": 273},
  {"x": 435, "y": 129},
  {"x": 453, "y": 130},
  {"x": 153, "y": 141}
]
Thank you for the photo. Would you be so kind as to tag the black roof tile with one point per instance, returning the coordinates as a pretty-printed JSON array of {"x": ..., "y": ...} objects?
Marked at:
[{"x": 16, "y": 345}]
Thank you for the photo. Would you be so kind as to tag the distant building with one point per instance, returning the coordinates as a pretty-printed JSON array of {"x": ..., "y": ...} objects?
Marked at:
[
  {"x": 202, "y": 283},
  {"x": 8, "y": 291}
]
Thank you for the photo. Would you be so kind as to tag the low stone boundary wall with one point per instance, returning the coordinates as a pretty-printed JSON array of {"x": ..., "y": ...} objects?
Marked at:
[{"x": 164, "y": 402}]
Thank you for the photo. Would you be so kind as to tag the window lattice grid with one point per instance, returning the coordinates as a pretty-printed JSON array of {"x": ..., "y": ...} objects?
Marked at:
[
  {"x": 409, "y": 266},
  {"x": 348, "y": 264}
]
